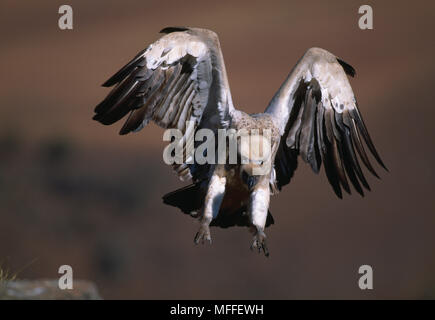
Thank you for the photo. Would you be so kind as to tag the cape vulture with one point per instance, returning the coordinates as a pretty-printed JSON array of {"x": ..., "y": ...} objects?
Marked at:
[{"x": 180, "y": 82}]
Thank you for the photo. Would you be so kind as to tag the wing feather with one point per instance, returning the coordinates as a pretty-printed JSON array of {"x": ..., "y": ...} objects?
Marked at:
[
  {"x": 319, "y": 120},
  {"x": 180, "y": 78}
]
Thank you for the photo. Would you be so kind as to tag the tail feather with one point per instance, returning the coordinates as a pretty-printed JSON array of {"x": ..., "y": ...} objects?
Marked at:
[
  {"x": 238, "y": 218},
  {"x": 190, "y": 199}
]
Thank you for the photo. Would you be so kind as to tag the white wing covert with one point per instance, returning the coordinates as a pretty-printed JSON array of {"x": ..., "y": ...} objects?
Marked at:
[{"x": 178, "y": 80}]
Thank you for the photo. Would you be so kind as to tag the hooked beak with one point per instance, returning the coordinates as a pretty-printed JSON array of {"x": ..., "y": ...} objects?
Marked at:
[{"x": 249, "y": 180}]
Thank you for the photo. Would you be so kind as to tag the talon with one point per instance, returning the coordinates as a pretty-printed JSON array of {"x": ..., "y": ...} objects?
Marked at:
[
  {"x": 259, "y": 243},
  {"x": 266, "y": 251},
  {"x": 203, "y": 235}
]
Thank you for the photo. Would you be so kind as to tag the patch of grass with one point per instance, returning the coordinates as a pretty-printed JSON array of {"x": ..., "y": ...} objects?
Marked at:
[{"x": 6, "y": 275}]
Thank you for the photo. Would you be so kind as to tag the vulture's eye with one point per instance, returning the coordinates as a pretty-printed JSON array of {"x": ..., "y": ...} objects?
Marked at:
[{"x": 244, "y": 160}]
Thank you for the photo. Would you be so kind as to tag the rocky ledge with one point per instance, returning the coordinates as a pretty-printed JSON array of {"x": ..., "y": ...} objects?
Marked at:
[{"x": 47, "y": 290}]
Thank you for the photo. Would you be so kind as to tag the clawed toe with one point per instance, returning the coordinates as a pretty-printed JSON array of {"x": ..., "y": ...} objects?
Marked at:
[
  {"x": 259, "y": 243},
  {"x": 203, "y": 235}
]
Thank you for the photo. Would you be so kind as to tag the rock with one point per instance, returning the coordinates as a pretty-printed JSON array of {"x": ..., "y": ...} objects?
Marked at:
[{"x": 47, "y": 290}]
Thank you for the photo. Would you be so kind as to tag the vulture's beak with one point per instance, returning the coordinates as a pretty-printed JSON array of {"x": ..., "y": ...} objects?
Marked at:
[{"x": 249, "y": 180}]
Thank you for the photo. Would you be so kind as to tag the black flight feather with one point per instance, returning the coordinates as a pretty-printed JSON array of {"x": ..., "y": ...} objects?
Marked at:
[{"x": 347, "y": 68}]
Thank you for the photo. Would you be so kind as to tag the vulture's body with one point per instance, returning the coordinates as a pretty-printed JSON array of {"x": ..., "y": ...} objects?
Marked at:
[{"x": 180, "y": 82}]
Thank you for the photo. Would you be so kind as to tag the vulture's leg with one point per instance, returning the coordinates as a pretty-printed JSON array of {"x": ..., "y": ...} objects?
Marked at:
[
  {"x": 212, "y": 203},
  {"x": 258, "y": 209}
]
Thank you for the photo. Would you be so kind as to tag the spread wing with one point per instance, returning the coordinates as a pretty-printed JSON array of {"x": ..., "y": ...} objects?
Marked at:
[
  {"x": 179, "y": 81},
  {"x": 318, "y": 118}
]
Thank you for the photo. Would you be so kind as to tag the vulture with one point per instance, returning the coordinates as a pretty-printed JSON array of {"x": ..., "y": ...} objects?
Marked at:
[{"x": 180, "y": 83}]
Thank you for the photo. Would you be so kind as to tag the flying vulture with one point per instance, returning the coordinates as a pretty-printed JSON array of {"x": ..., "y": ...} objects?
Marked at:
[{"x": 180, "y": 82}]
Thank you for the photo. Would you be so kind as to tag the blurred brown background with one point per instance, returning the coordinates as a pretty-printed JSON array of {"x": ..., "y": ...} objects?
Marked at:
[{"x": 74, "y": 192}]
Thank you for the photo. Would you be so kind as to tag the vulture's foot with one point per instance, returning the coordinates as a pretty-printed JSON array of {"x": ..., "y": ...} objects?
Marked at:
[
  {"x": 203, "y": 234},
  {"x": 259, "y": 243}
]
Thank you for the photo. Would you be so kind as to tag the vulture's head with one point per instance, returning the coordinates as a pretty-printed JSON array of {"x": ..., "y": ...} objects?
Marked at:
[{"x": 255, "y": 157}]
